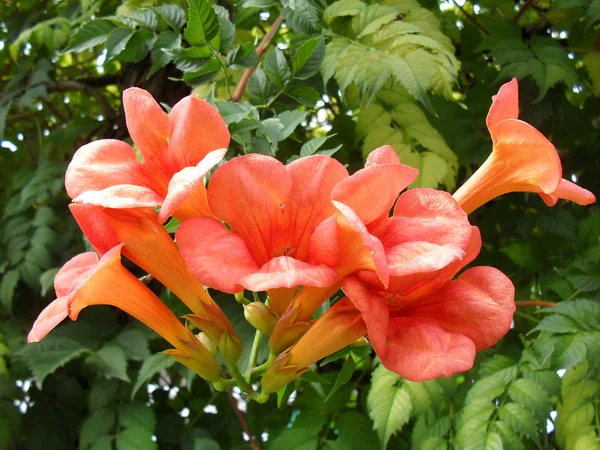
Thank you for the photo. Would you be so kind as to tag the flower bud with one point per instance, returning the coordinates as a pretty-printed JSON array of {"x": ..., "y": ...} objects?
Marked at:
[
  {"x": 208, "y": 343},
  {"x": 260, "y": 317},
  {"x": 360, "y": 342},
  {"x": 230, "y": 347},
  {"x": 287, "y": 331}
]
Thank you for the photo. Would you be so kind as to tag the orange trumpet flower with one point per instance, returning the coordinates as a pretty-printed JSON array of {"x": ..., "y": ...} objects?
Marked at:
[
  {"x": 148, "y": 245},
  {"x": 177, "y": 151},
  {"x": 424, "y": 325},
  {"x": 86, "y": 280},
  {"x": 522, "y": 160}
]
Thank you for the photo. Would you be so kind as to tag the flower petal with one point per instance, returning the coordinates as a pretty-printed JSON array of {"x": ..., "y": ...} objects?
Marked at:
[
  {"x": 412, "y": 347},
  {"x": 324, "y": 244},
  {"x": 122, "y": 196},
  {"x": 66, "y": 278},
  {"x": 184, "y": 182},
  {"x": 248, "y": 193},
  {"x": 372, "y": 191},
  {"x": 382, "y": 155},
  {"x": 360, "y": 249},
  {"x": 149, "y": 128},
  {"x": 196, "y": 130},
  {"x": 49, "y": 318},
  {"x": 217, "y": 257},
  {"x": 421, "y": 257},
  {"x": 96, "y": 227},
  {"x": 287, "y": 272},
  {"x": 313, "y": 178},
  {"x": 569, "y": 191},
  {"x": 102, "y": 164},
  {"x": 479, "y": 304},
  {"x": 505, "y": 105},
  {"x": 427, "y": 215}
]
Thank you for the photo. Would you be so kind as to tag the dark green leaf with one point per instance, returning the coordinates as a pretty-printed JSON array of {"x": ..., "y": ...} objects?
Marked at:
[
  {"x": 308, "y": 58},
  {"x": 151, "y": 367},
  {"x": 172, "y": 14},
  {"x": 110, "y": 361},
  {"x": 117, "y": 41},
  {"x": 276, "y": 68},
  {"x": 89, "y": 35},
  {"x": 97, "y": 425},
  {"x": 203, "y": 24},
  {"x": 305, "y": 95},
  {"x": 344, "y": 376}
]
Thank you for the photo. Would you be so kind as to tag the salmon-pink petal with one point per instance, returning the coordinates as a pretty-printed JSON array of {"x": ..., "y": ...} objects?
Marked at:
[
  {"x": 421, "y": 257},
  {"x": 427, "y": 215},
  {"x": 66, "y": 278},
  {"x": 419, "y": 350},
  {"x": 121, "y": 196},
  {"x": 248, "y": 193},
  {"x": 102, "y": 164},
  {"x": 313, "y": 178},
  {"x": 196, "y": 130},
  {"x": 49, "y": 318},
  {"x": 359, "y": 248},
  {"x": 324, "y": 245},
  {"x": 382, "y": 155},
  {"x": 184, "y": 182},
  {"x": 287, "y": 272},
  {"x": 372, "y": 191},
  {"x": 95, "y": 226},
  {"x": 569, "y": 191},
  {"x": 412, "y": 347},
  {"x": 479, "y": 304},
  {"x": 148, "y": 126},
  {"x": 217, "y": 257},
  {"x": 505, "y": 105},
  {"x": 418, "y": 285}
]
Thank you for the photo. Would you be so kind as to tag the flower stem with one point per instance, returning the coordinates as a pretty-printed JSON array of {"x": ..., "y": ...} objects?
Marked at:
[
  {"x": 237, "y": 375},
  {"x": 253, "y": 354},
  {"x": 259, "y": 370}
]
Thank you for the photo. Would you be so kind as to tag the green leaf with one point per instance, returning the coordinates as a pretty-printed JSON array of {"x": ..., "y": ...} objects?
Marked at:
[
  {"x": 44, "y": 357},
  {"x": 308, "y": 58},
  {"x": 305, "y": 95},
  {"x": 388, "y": 403},
  {"x": 372, "y": 18},
  {"x": 569, "y": 351},
  {"x": 138, "y": 46},
  {"x": 47, "y": 280},
  {"x": 203, "y": 24},
  {"x": 165, "y": 40},
  {"x": 227, "y": 28},
  {"x": 172, "y": 14},
  {"x": 510, "y": 439},
  {"x": 309, "y": 151},
  {"x": 531, "y": 395},
  {"x": 259, "y": 86},
  {"x": 585, "y": 313},
  {"x": 134, "y": 343},
  {"x": 343, "y": 377},
  {"x": 343, "y": 8},
  {"x": 485, "y": 441},
  {"x": 7, "y": 287},
  {"x": 301, "y": 16},
  {"x": 290, "y": 120},
  {"x": 151, "y": 367},
  {"x": 110, "y": 361},
  {"x": 356, "y": 431},
  {"x": 139, "y": 415},
  {"x": 89, "y": 35},
  {"x": 117, "y": 41},
  {"x": 276, "y": 68},
  {"x": 556, "y": 323},
  {"x": 135, "y": 438},
  {"x": 145, "y": 17},
  {"x": 520, "y": 419},
  {"x": 104, "y": 443},
  {"x": 434, "y": 443},
  {"x": 97, "y": 425},
  {"x": 242, "y": 56}
]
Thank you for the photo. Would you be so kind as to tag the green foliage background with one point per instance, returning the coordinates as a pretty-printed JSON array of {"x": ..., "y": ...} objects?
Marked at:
[{"x": 339, "y": 78}]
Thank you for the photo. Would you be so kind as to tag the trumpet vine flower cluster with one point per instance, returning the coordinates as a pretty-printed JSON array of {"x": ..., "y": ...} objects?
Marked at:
[{"x": 299, "y": 233}]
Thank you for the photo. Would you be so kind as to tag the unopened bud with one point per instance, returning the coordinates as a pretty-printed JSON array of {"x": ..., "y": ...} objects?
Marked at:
[
  {"x": 260, "y": 317},
  {"x": 230, "y": 347},
  {"x": 207, "y": 342},
  {"x": 240, "y": 298}
]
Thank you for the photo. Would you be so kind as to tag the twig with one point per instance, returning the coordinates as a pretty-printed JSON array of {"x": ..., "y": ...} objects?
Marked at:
[
  {"x": 471, "y": 18},
  {"x": 239, "y": 91},
  {"x": 72, "y": 85},
  {"x": 240, "y": 415},
  {"x": 527, "y": 303},
  {"x": 528, "y": 4}
]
